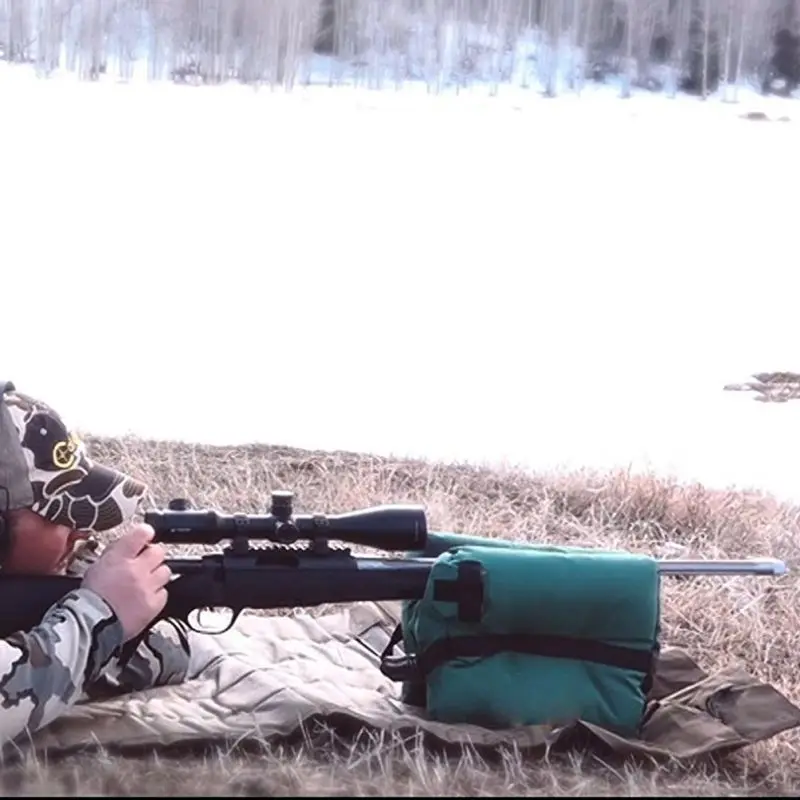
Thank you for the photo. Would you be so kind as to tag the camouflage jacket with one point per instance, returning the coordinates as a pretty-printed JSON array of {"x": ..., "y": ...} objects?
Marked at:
[{"x": 75, "y": 654}]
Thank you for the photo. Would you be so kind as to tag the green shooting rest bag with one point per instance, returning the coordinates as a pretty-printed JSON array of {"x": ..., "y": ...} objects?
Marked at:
[{"x": 508, "y": 635}]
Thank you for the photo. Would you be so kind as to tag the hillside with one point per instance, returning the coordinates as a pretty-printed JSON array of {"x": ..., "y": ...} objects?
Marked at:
[{"x": 720, "y": 622}]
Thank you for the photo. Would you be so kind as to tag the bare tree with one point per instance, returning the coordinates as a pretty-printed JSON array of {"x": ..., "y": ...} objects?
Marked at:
[
  {"x": 628, "y": 73},
  {"x": 48, "y": 23},
  {"x": 586, "y": 39},
  {"x": 576, "y": 67},
  {"x": 681, "y": 18},
  {"x": 19, "y": 34},
  {"x": 706, "y": 42},
  {"x": 553, "y": 16}
]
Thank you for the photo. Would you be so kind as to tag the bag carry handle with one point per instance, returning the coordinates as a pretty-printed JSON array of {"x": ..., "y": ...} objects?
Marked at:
[{"x": 466, "y": 590}]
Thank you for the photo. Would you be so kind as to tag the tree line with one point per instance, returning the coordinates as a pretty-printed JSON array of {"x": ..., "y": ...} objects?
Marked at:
[{"x": 692, "y": 46}]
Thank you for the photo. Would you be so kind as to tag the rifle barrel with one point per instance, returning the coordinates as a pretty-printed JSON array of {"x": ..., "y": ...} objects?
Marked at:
[{"x": 755, "y": 566}]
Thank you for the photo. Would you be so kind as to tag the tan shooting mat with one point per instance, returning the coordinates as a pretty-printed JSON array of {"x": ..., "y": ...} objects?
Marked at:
[{"x": 268, "y": 675}]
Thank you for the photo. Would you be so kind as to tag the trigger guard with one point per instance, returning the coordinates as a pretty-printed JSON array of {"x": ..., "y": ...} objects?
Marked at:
[{"x": 235, "y": 613}]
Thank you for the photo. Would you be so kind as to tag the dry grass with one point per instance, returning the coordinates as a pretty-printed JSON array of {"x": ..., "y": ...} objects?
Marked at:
[{"x": 749, "y": 621}]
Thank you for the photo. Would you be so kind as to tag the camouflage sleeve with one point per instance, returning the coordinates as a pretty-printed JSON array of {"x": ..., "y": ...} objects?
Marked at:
[
  {"x": 162, "y": 657},
  {"x": 167, "y": 654},
  {"x": 44, "y": 671}
]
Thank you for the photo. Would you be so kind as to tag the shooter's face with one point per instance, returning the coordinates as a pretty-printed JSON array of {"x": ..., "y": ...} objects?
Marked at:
[{"x": 38, "y": 546}]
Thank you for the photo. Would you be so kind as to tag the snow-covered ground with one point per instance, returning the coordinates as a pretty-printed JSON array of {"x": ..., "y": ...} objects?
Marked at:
[{"x": 564, "y": 282}]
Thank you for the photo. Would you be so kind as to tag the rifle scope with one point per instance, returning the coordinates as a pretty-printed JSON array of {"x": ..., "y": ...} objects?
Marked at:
[{"x": 388, "y": 527}]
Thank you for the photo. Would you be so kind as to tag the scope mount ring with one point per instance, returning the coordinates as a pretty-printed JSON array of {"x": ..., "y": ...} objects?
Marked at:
[{"x": 240, "y": 540}]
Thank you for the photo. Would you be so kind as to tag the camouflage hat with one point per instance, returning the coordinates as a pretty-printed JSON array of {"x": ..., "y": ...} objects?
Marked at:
[{"x": 45, "y": 467}]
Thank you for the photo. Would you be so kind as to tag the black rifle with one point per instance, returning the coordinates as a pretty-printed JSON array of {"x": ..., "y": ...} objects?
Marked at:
[{"x": 307, "y": 562}]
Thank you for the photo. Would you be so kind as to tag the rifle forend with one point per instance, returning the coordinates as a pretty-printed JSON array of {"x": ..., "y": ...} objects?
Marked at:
[{"x": 388, "y": 527}]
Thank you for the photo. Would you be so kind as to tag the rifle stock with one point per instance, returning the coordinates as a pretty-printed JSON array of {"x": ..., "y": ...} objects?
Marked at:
[{"x": 235, "y": 583}]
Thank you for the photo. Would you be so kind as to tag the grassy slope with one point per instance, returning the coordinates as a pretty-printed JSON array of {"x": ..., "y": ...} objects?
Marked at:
[{"x": 720, "y": 621}]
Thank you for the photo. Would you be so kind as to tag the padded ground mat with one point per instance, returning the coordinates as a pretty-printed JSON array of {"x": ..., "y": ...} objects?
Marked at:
[{"x": 269, "y": 674}]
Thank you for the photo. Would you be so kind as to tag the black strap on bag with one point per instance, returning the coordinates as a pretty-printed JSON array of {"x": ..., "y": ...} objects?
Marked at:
[
  {"x": 410, "y": 667},
  {"x": 466, "y": 590}
]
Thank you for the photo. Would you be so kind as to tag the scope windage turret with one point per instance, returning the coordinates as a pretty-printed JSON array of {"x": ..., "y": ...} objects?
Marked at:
[{"x": 386, "y": 527}]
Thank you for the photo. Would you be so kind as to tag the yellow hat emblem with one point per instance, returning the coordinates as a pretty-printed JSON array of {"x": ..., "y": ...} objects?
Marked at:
[{"x": 65, "y": 453}]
